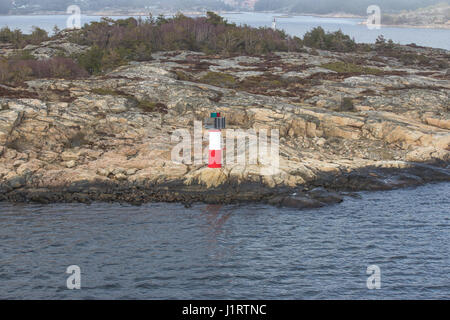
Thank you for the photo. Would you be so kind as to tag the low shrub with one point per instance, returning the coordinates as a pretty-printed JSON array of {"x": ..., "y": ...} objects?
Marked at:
[
  {"x": 17, "y": 70},
  {"x": 347, "y": 104},
  {"x": 183, "y": 76},
  {"x": 333, "y": 41},
  {"x": 344, "y": 67},
  {"x": 210, "y": 34},
  {"x": 143, "y": 104},
  {"x": 151, "y": 106},
  {"x": 106, "y": 92},
  {"x": 20, "y": 40},
  {"x": 219, "y": 79}
]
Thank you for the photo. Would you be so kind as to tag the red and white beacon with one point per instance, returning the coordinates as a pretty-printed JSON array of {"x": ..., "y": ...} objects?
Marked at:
[{"x": 215, "y": 124}]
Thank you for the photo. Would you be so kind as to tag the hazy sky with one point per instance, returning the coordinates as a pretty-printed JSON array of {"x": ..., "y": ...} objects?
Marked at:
[
  {"x": 240, "y": 2},
  {"x": 298, "y": 6}
]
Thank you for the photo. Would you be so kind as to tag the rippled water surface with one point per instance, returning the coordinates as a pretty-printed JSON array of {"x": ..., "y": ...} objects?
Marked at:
[{"x": 163, "y": 251}]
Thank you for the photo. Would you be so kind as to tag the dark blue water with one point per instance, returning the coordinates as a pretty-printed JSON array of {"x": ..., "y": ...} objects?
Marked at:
[
  {"x": 164, "y": 251},
  {"x": 295, "y": 25}
]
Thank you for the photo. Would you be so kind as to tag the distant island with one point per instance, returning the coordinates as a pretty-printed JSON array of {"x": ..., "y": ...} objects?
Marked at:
[{"x": 436, "y": 15}]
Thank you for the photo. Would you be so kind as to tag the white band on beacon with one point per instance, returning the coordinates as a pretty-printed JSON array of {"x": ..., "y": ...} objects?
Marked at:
[{"x": 215, "y": 140}]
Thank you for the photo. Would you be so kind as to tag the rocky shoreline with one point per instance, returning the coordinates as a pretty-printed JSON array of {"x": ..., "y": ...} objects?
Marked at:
[
  {"x": 108, "y": 138},
  {"x": 325, "y": 191}
]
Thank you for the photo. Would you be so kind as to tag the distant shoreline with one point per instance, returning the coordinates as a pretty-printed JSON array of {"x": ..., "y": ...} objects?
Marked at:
[
  {"x": 281, "y": 15},
  {"x": 407, "y": 26},
  {"x": 438, "y": 26}
]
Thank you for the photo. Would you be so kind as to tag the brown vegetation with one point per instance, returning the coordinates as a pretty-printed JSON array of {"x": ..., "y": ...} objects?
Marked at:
[{"x": 20, "y": 69}]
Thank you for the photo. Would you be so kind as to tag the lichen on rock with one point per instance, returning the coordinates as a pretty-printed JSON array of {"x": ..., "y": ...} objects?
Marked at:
[{"x": 96, "y": 139}]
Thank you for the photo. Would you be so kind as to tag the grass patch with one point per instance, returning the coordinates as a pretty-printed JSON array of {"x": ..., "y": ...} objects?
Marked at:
[
  {"x": 266, "y": 82},
  {"x": 106, "y": 92},
  {"x": 219, "y": 79},
  {"x": 345, "y": 67},
  {"x": 144, "y": 104},
  {"x": 183, "y": 76}
]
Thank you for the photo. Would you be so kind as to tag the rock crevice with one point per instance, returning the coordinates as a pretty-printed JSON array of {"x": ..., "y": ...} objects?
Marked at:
[{"x": 109, "y": 138}]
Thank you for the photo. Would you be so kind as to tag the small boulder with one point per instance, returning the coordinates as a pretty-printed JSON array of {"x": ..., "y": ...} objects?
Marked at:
[
  {"x": 17, "y": 182},
  {"x": 71, "y": 164},
  {"x": 301, "y": 202},
  {"x": 131, "y": 172},
  {"x": 121, "y": 176},
  {"x": 325, "y": 196}
]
